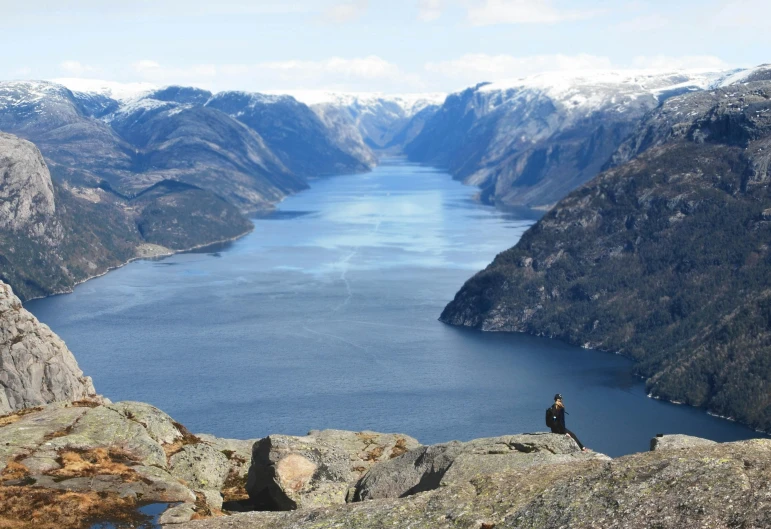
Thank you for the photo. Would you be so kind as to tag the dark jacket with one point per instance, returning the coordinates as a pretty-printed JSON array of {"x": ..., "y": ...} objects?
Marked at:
[{"x": 559, "y": 426}]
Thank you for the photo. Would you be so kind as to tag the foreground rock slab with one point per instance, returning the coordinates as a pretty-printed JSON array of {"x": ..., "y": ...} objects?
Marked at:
[
  {"x": 716, "y": 486},
  {"x": 673, "y": 442},
  {"x": 429, "y": 467},
  {"x": 125, "y": 453}
]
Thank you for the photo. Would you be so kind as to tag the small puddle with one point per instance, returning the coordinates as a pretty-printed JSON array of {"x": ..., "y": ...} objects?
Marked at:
[{"x": 147, "y": 518}]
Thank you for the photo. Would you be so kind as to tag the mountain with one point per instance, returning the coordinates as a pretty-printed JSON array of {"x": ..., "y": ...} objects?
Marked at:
[
  {"x": 175, "y": 137},
  {"x": 251, "y": 149},
  {"x": 300, "y": 139},
  {"x": 531, "y": 141},
  {"x": 54, "y": 235},
  {"x": 664, "y": 257},
  {"x": 383, "y": 122}
]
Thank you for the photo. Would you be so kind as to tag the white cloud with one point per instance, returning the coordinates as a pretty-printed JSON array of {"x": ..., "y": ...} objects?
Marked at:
[
  {"x": 331, "y": 73},
  {"x": 145, "y": 67},
  {"x": 473, "y": 68},
  {"x": 429, "y": 10},
  {"x": 345, "y": 12},
  {"x": 687, "y": 62},
  {"x": 491, "y": 12},
  {"x": 75, "y": 68}
]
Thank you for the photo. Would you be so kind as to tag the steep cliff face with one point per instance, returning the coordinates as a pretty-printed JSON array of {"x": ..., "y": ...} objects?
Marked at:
[
  {"x": 531, "y": 142},
  {"x": 35, "y": 366},
  {"x": 664, "y": 258},
  {"x": 26, "y": 190}
]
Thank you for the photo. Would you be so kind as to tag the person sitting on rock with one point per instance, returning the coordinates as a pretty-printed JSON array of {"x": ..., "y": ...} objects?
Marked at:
[{"x": 559, "y": 424}]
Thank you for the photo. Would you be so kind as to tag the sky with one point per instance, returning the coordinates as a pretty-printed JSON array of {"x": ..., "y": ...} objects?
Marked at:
[{"x": 389, "y": 46}]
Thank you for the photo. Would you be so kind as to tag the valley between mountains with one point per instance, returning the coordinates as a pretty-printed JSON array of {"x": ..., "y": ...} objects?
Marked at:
[{"x": 654, "y": 243}]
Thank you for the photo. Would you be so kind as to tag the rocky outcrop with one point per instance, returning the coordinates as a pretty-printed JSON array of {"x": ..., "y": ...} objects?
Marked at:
[
  {"x": 673, "y": 442},
  {"x": 35, "y": 365},
  {"x": 320, "y": 469},
  {"x": 722, "y": 485},
  {"x": 663, "y": 258},
  {"x": 26, "y": 190},
  {"x": 127, "y": 450},
  {"x": 429, "y": 467}
]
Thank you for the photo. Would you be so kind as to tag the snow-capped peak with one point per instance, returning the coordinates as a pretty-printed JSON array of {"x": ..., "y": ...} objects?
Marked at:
[
  {"x": 593, "y": 89},
  {"x": 409, "y": 103},
  {"x": 112, "y": 89}
]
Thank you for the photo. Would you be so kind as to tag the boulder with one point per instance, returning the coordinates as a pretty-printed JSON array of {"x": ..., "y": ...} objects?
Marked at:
[
  {"x": 670, "y": 442},
  {"x": 36, "y": 368},
  {"x": 428, "y": 467},
  {"x": 320, "y": 469},
  {"x": 177, "y": 514},
  {"x": 237, "y": 451}
]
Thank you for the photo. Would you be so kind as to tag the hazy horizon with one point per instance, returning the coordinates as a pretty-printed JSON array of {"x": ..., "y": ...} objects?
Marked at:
[{"x": 371, "y": 46}]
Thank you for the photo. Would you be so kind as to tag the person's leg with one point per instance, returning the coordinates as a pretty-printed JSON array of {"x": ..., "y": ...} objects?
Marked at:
[{"x": 575, "y": 438}]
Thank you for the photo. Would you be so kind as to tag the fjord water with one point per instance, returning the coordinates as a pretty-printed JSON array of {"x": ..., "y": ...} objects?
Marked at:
[{"x": 326, "y": 317}]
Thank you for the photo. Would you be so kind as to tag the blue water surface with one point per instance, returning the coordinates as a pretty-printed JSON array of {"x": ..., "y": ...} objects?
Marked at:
[{"x": 326, "y": 317}]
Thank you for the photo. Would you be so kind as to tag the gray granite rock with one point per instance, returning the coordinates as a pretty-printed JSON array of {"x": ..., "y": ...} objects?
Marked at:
[
  {"x": 177, "y": 514},
  {"x": 709, "y": 486},
  {"x": 35, "y": 365},
  {"x": 200, "y": 466},
  {"x": 158, "y": 424},
  {"x": 105, "y": 427},
  {"x": 289, "y": 472},
  {"x": 428, "y": 467},
  {"x": 26, "y": 191},
  {"x": 670, "y": 442}
]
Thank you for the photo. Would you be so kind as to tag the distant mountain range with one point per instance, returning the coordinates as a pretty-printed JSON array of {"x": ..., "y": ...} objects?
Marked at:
[
  {"x": 531, "y": 141},
  {"x": 663, "y": 257}
]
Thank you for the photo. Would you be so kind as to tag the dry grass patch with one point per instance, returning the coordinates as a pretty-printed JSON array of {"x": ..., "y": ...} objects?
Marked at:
[
  {"x": 38, "y": 508},
  {"x": 234, "y": 488},
  {"x": 85, "y": 403},
  {"x": 186, "y": 439},
  {"x": 11, "y": 418},
  {"x": 400, "y": 448},
  {"x": 59, "y": 433},
  {"x": 202, "y": 509},
  {"x": 375, "y": 454},
  {"x": 14, "y": 470},
  {"x": 95, "y": 462}
]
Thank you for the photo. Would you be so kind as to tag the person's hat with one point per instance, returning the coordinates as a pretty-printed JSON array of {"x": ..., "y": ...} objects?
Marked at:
[{"x": 557, "y": 397}]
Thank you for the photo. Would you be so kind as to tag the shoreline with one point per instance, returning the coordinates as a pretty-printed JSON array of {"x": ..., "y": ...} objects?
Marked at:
[
  {"x": 648, "y": 394},
  {"x": 168, "y": 253}
]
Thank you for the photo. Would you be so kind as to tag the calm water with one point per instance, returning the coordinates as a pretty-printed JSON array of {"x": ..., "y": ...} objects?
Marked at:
[{"x": 326, "y": 317}]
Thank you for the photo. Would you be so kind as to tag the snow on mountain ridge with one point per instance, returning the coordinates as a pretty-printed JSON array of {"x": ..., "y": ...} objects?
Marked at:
[
  {"x": 587, "y": 90},
  {"x": 112, "y": 89},
  {"x": 409, "y": 103}
]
